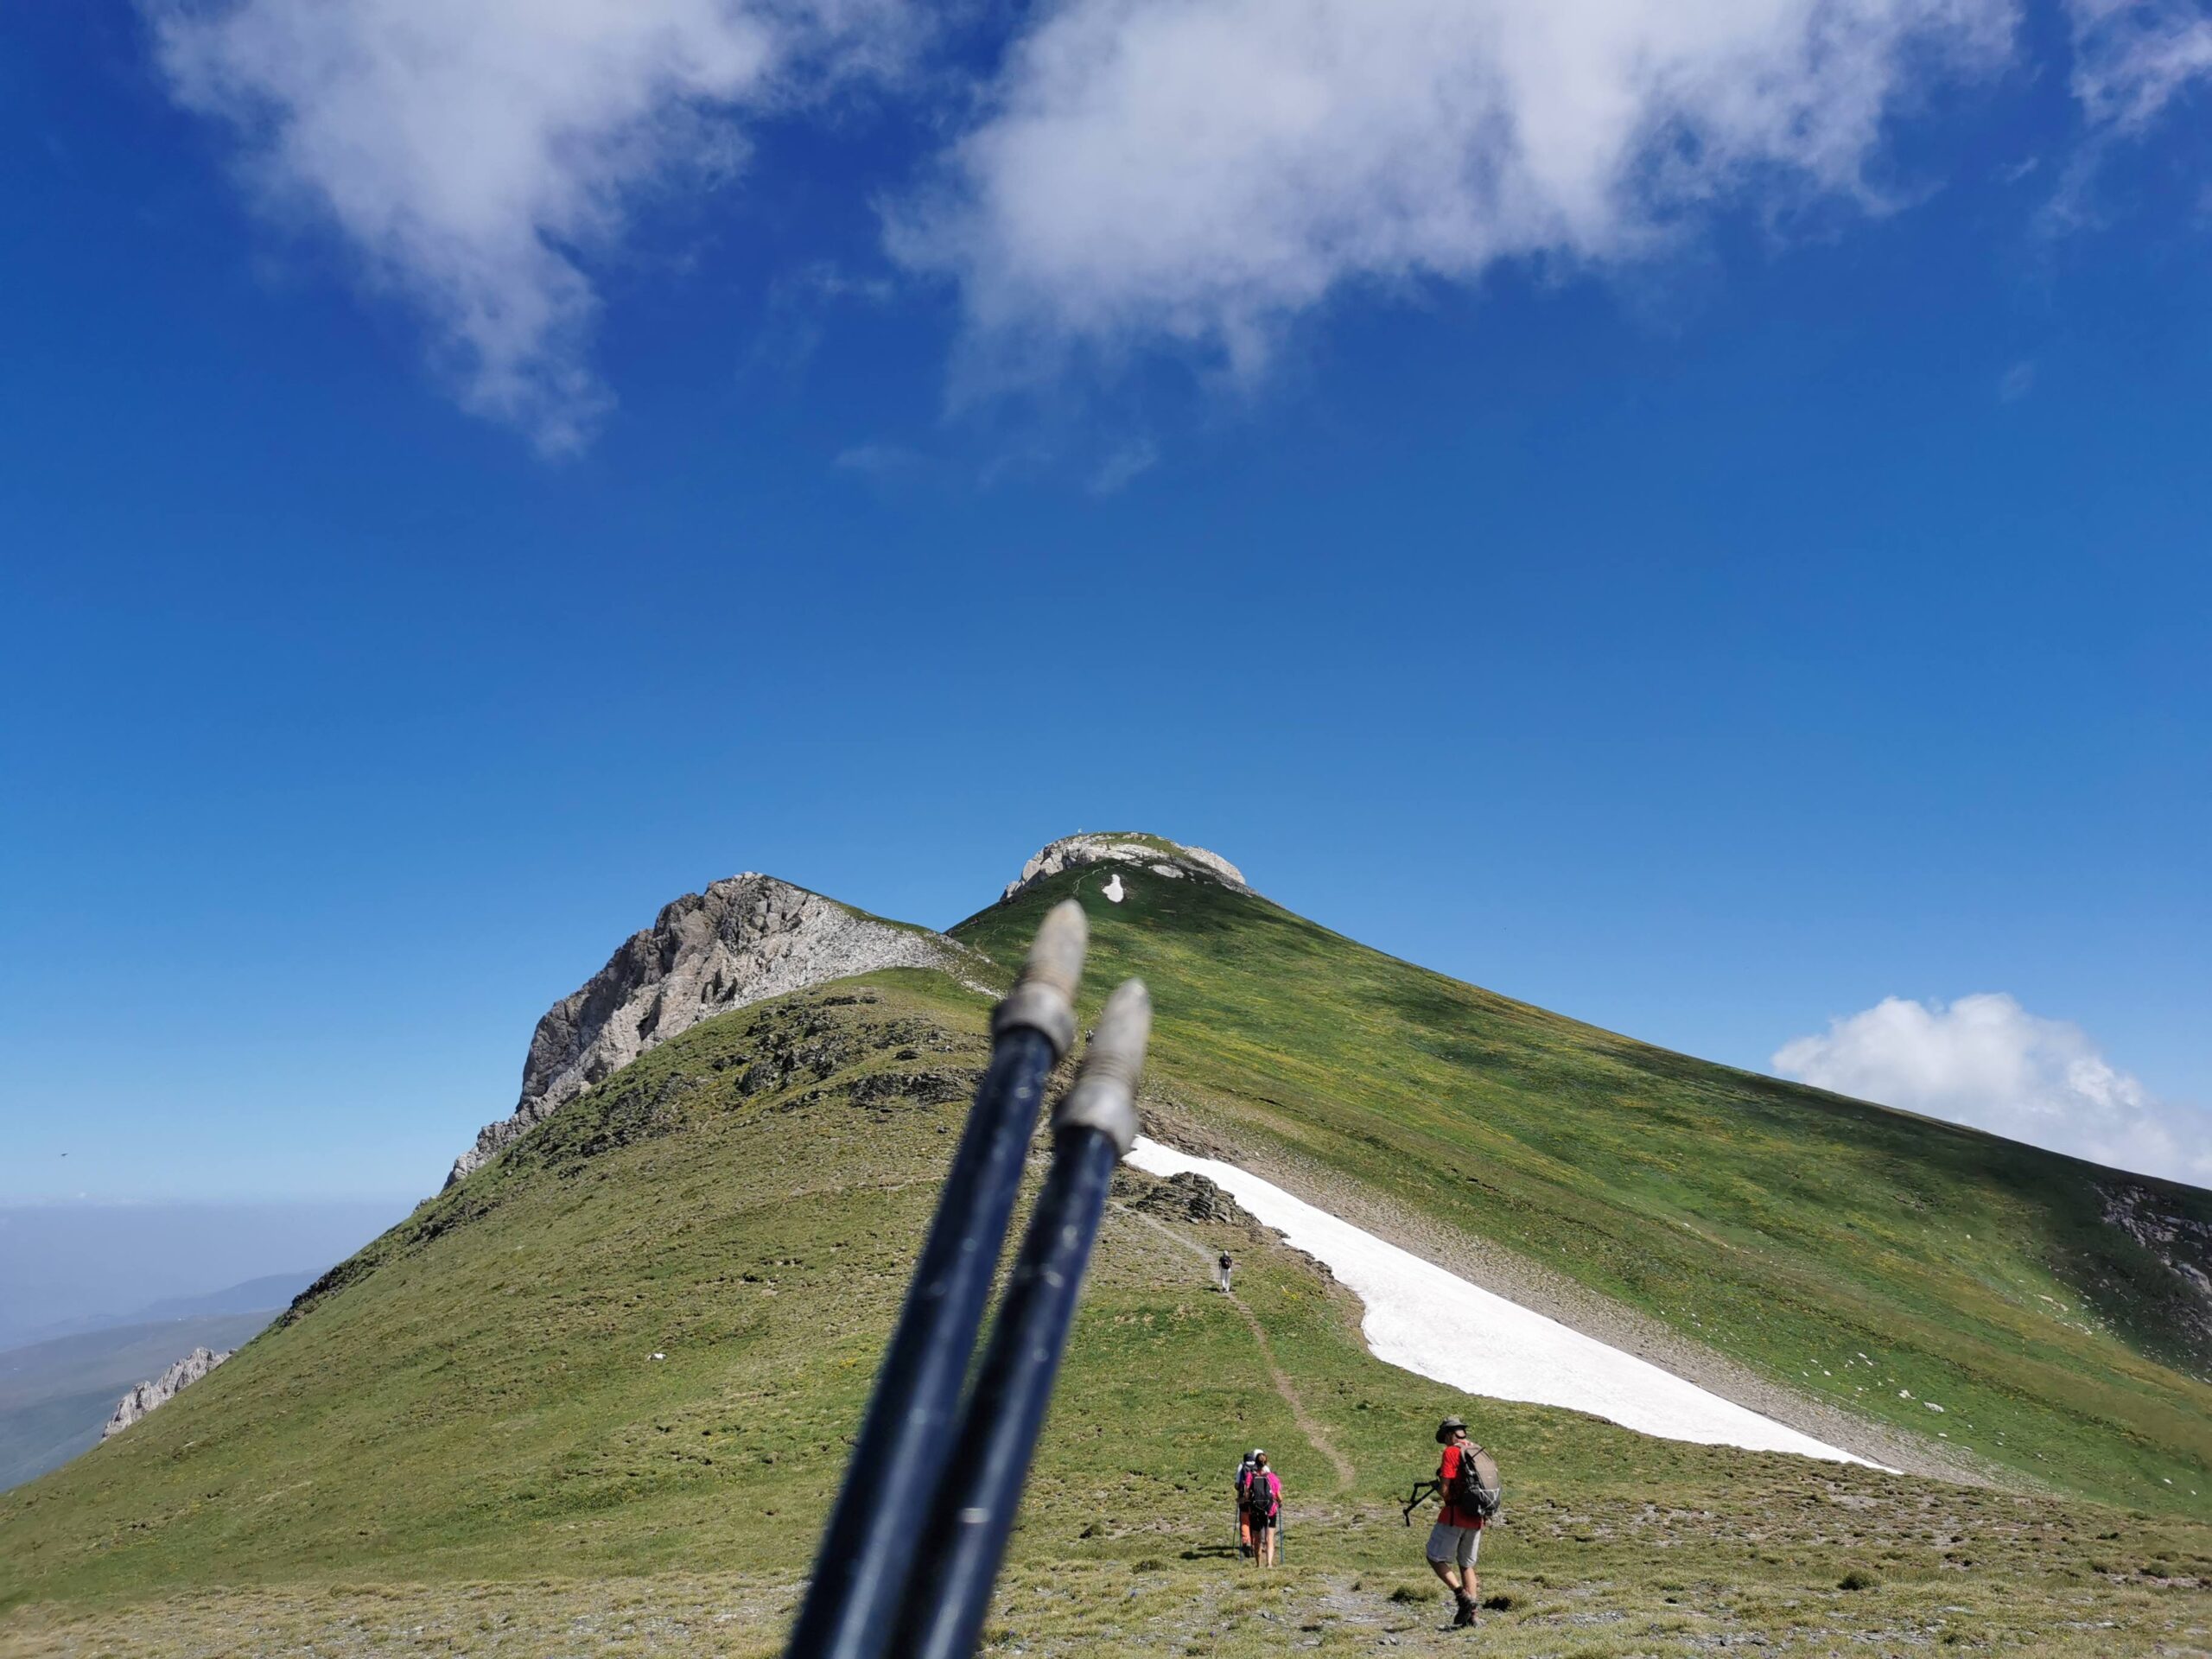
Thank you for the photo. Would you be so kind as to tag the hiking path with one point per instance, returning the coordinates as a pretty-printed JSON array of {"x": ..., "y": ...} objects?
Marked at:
[{"x": 1316, "y": 1436}]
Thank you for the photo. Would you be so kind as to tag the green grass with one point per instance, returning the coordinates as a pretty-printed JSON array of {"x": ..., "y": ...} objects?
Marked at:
[
  {"x": 461, "y": 1442},
  {"x": 1792, "y": 1230}
]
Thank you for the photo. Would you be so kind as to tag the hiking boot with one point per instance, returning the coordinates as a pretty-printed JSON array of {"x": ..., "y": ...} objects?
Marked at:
[{"x": 1466, "y": 1616}]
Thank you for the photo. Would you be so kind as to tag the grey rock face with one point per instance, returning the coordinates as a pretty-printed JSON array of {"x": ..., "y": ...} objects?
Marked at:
[
  {"x": 745, "y": 939},
  {"x": 2182, "y": 1245},
  {"x": 1167, "y": 858},
  {"x": 163, "y": 1389},
  {"x": 1187, "y": 1196}
]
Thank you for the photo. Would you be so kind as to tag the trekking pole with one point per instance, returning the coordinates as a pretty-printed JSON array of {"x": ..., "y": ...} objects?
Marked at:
[
  {"x": 964, "y": 1535},
  {"x": 906, "y": 1438}
]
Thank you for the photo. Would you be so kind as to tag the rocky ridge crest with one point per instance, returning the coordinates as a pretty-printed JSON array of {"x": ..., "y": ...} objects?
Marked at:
[
  {"x": 163, "y": 1389},
  {"x": 746, "y": 938},
  {"x": 1161, "y": 857}
]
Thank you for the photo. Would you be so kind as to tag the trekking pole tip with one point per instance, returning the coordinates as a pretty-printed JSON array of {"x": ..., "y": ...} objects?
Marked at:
[
  {"x": 1043, "y": 997},
  {"x": 1104, "y": 1096}
]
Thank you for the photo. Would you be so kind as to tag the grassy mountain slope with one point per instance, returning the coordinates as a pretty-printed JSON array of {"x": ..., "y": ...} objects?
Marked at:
[
  {"x": 614, "y": 1371},
  {"x": 1792, "y": 1230}
]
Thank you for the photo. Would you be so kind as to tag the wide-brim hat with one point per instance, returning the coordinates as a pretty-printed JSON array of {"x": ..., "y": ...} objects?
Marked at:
[{"x": 1449, "y": 1427}]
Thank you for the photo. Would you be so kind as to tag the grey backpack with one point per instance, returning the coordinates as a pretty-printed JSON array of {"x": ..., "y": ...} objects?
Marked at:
[{"x": 1476, "y": 1489}]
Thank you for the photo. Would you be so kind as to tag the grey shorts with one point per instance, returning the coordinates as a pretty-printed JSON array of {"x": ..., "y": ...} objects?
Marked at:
[{"x": 1454, "y": 1543}]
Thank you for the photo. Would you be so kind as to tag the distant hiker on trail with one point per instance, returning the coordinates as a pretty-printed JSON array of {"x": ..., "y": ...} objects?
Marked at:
[
  {"x": 1222, "y": 1271},
  {"x": 1457, "y": 1536},
  {"x": 1263, "y": 1510},
  {"x": 1243, "y": 1500}
]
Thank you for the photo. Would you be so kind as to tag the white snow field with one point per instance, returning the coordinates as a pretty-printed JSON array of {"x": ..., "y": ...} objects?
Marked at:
[{"x": 1436, "y": 1325}]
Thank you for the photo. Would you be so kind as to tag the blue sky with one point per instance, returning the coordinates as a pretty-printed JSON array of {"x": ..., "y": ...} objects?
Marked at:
[{"x": 1701, "y": 527}]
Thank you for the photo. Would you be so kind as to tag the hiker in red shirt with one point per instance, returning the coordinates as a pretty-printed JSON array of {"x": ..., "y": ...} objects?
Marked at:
[{"x": 1458, "y": 1534}]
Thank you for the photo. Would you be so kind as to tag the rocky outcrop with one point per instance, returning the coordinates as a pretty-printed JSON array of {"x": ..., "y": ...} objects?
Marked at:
[
  {"x": 163, "y": 1389},
  {"x": 745, "y": 939},
  {"x": 1166, "y": 858},
  {"x": 2182, "y": 1243},
  {"x": 1184, "y": 1196}
]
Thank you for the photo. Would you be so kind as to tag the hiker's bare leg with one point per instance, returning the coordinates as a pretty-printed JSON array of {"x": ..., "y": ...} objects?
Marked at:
[{"x": 1445, "y": 1571}]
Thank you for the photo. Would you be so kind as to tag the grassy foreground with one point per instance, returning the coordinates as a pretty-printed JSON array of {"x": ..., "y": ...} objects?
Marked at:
[
  {"x": 1604, "y": 1605},
  {"x": 596, "y": 1399}
]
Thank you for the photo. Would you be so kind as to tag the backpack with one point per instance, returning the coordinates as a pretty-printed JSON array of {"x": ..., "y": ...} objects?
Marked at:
[
  {"x": 1245, "y": 1483},
  {"x": 1260, "y": 1497},
  {"x": 1476, "y": 1489}
]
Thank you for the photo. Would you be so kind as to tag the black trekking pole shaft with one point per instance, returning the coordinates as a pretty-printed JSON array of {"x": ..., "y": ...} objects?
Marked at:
[
  {"x": 906, "y": 1437},
  {"x": 965, "y": 1534}
]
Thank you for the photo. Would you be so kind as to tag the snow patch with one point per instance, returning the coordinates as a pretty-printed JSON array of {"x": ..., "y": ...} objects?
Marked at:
[
  {"x": 1114, "y": 889},
  {"x": 1437, "y": 1325}
]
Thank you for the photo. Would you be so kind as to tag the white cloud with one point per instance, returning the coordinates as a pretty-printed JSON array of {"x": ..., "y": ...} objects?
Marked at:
[
  {"x": 1202, "y": 168},
  {"x": 470, "y": 150},
  {"x": 1984, "y": 1060},
  {"x": 2132, "y": 57}
]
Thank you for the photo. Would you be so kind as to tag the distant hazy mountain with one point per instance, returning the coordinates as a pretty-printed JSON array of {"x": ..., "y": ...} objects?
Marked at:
[
  {"x": 270, "y": 1292},
  {"x": 73, "y": 1267}
]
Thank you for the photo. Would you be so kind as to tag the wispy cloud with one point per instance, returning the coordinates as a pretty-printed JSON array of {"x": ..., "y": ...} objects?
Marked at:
[
  {"x": 878, "y": 461},
  {"x": 474, "y": 153},
  {"x": 1202, "y": 170},
  {"x": 1124, "y": 468},
  {"x": 1984, "y": 1060},
  {"x": 2132, "y": 60}
]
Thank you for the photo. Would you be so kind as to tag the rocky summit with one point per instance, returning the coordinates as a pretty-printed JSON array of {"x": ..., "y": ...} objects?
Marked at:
[
  {"x": 1160, "y": 857},
  {"x": 747, "y": 938}
]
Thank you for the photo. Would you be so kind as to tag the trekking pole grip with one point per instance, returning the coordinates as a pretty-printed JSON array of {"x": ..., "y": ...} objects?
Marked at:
[
  {"x": 1104, "y": 1096},
  {"x": 1043, "y": 997},
  {"x": 898, "y": 1461}
]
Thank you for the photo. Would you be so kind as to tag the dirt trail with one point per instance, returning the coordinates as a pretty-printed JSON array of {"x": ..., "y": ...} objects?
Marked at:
[{"x": 1316, "y": 1436}]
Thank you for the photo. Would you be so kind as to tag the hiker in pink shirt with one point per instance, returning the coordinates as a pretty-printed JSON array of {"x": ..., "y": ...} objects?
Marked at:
[{"x": 1263, "y": 1510}]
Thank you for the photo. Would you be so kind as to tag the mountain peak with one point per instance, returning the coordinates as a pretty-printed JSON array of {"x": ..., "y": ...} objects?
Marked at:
[
  {"x": 747, "y": 938},
  {"x": 1155, "y": 853}
]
